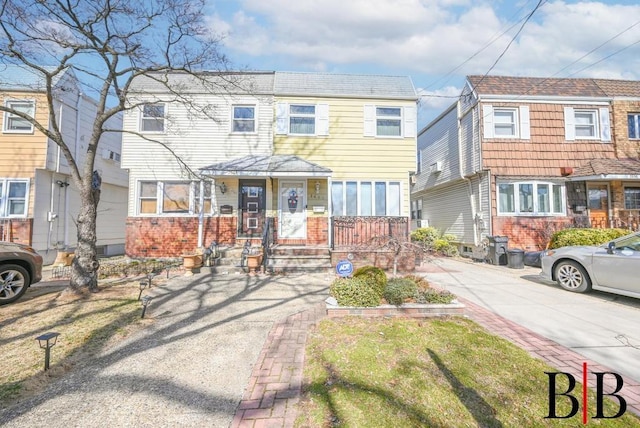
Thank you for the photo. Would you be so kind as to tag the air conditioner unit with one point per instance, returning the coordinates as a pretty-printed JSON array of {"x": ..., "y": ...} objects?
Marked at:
[
  {"x": 412, "y": 179},
  {"x": 436, "y": 167},
  {"x": 111, "y": 155}
]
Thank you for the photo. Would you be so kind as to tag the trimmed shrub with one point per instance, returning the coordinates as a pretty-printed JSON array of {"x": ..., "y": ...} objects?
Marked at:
[
  {"x": 425, "y": 235},
  {"x": 421, "y": 282},
  {"x": 567, "y": 237},
  {"x": 354, "y": 292},
  {"x": 374, "y": 276},
  {"x": 445, "y": 247},
  {"x": 399, "y": 290},
  {"x": 430, "y": 295}
]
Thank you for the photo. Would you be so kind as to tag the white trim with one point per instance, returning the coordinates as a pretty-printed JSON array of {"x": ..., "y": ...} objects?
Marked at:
[
  {"x": 525, "y": 126},
  {"x": 141, "y": 118},
  {"x": 4, "y": 197},
  {"x": 544, "y": 99},
  {"x": 7, "y": 115},
  {"x": 233, "y": 119}
]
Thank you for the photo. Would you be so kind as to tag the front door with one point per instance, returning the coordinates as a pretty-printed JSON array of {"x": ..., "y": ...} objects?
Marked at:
[
  {"x": 293, "y": 214},
  {"x": 252, "y": 208},
  {"x": 598, "y": 205}
]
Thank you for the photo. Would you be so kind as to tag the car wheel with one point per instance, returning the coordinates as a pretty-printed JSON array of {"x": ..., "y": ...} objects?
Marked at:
[
  {"x": 572, "y": 276},
  {"x": 14, "y": 281}
]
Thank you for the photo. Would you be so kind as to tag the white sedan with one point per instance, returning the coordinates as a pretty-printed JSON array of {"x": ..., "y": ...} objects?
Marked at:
[{"x": 613, "y": 267}]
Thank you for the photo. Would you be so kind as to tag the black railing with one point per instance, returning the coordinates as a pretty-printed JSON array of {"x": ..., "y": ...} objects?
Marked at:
[
  {"x": 350, "y": 231},
  {"x": 267, "y": 240}
]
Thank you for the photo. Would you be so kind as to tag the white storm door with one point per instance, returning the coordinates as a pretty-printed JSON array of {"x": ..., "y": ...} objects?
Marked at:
[{"x": 293, "y": 213}]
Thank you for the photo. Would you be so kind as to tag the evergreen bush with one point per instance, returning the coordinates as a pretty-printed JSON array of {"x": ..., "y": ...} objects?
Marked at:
[
  {"x": 399, "y": 290},
  {"x": 354, "y": 292},
  {"x": 573, "y": 236},
  {"x": 374, "y": 276}
]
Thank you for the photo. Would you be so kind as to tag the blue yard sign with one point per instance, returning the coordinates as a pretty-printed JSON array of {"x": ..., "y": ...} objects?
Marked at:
[{"x": 344, "y": 268}]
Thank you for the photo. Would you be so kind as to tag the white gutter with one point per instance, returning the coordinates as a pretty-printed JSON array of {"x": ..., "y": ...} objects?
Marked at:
[{"x": 469, "y": 184}]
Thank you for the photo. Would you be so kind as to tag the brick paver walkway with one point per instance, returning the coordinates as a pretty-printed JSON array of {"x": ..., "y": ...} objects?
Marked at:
[{"x": 275, "y": 386}]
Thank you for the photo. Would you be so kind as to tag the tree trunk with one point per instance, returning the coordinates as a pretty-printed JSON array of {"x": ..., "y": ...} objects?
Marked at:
[{"x": 84, "y": 270}]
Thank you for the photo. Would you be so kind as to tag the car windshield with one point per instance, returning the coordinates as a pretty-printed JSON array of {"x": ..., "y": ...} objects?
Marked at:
[{"x": 631, "y": 242}]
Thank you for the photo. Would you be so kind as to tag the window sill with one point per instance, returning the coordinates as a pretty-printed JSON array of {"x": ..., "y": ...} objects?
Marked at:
[{"x": 9, "y": 131}]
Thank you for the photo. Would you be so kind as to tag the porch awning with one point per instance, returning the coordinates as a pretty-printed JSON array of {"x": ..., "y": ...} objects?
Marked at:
[
  {"x": 267, "y": 166},
  {"x": 607, "y": 169}
]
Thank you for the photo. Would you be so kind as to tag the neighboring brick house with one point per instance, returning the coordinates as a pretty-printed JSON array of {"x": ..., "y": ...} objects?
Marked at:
[
  {"x": 522, "y": 157},
  {"x": 38, "y": 198},
  {"x": 294, "y": 151}
]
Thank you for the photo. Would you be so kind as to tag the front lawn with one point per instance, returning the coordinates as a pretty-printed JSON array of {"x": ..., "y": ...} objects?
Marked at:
[{"x": 428, "y": 373}]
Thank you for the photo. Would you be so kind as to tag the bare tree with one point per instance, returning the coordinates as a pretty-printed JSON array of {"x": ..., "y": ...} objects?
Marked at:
[{"x": 108, "y": 44}]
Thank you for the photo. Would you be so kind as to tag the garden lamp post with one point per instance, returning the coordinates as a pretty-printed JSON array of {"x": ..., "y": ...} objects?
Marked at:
[
  {"x": 143, "y": 284},
  {"x": 145, "y": 302},
  {"x": 46, "y": 342}
]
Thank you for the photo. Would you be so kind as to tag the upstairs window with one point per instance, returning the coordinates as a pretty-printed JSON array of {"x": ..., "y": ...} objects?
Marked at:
[
  {"x": 152, "y": 118},
  {"x": 634, "y": 125},
  {"x": 506, "y": 122},
  {"x": 244, "y": 119},
  {"x": 388, "y": 121},
  {"x": 302, "y": 119},
  {"x": 16, "y": 124},
  {"x": 587, "y": 124}
]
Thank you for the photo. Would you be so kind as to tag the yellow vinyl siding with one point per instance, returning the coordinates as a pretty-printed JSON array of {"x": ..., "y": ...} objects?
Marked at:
[
  {"x": 347, "y": 152},
  {"x": 21, "y": 153}
]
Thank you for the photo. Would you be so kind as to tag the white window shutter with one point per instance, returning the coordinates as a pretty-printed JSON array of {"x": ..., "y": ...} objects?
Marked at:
[
  {"x": 525, "y": 127},
  {"x": 569, "y": 124},
  {"x": 605, "y": 124},
  {"x": 410, "y": 130},
  {"x": 487, "y": 120},
  {"x": 322, "y": 119},
  {"x": 282, "y": 118},
  {"x": 369, "y": 121}
]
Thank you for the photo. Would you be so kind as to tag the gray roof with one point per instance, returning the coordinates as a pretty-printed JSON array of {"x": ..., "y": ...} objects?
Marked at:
[
  {"x": 254, "y": 83},
  {"x": 267, "y": 166},
  {"x": 22, "y": 78},
  {"x": 279, "y": 83},
  {"x": 341, "y": 85}
]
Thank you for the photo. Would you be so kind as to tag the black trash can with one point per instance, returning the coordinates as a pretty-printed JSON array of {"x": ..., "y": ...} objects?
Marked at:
[
  {"x": 497, "y": 251},
  {"x": 516, "y": 258}
]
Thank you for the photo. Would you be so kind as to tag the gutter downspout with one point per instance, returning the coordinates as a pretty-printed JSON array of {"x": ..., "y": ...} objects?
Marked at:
[
  {"x": 468, "y": 180},
  {"x": 75, "y": 155},
  {"x": 50, "y": 218}
]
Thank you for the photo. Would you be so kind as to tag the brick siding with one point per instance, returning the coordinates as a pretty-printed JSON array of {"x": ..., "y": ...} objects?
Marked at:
[
  {"x": 625, "y": 148},
  {"x": 17, "y": 230}
]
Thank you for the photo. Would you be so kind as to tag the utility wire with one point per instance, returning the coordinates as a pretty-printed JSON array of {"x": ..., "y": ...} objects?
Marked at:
[
  {"x": 491, "y": 41},
  {"x": 540, "y": 3}
]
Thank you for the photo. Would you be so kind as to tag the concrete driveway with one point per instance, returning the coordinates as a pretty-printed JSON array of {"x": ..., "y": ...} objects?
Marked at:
[{"x": 602, "y": 327}]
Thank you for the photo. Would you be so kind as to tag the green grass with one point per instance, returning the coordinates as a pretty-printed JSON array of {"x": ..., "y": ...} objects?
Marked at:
[{"x": 433, "y": 373}]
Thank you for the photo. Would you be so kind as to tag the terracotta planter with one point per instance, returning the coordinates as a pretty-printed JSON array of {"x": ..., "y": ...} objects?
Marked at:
[
  {"x": 253, "y": 261},
  {"x": 190, "y": 262}
]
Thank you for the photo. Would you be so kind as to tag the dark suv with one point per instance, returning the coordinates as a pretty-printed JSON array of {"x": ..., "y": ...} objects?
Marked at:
[{"x": 20, "y": 266}]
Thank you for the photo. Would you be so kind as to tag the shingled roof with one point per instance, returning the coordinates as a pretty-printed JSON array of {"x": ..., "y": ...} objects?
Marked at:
[
  {"x": 608, "y": 167},
  {"x": 554, "y": 87}
]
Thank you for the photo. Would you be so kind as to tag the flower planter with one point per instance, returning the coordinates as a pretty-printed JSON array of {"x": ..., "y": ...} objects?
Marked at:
[
  {"x": 407, "y": 310},
  {"x": 253, "y": 262},
  {"x": 191, "y": 262}
]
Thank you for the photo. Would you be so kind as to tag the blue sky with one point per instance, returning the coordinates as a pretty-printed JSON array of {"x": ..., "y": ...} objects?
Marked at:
[{"x": 436, "y": 42}]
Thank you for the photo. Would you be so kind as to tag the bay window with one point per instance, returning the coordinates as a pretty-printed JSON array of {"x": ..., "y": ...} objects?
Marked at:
[
  {"x": 365, "y": 198},
  {"x": 531, "y": 198}
]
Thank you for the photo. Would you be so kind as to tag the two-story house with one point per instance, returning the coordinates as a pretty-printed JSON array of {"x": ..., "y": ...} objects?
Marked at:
[
  {"x": 38, "y": 199},
  {"x": 295, "y": 152},
  {"x": 522, "y": 157}
]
